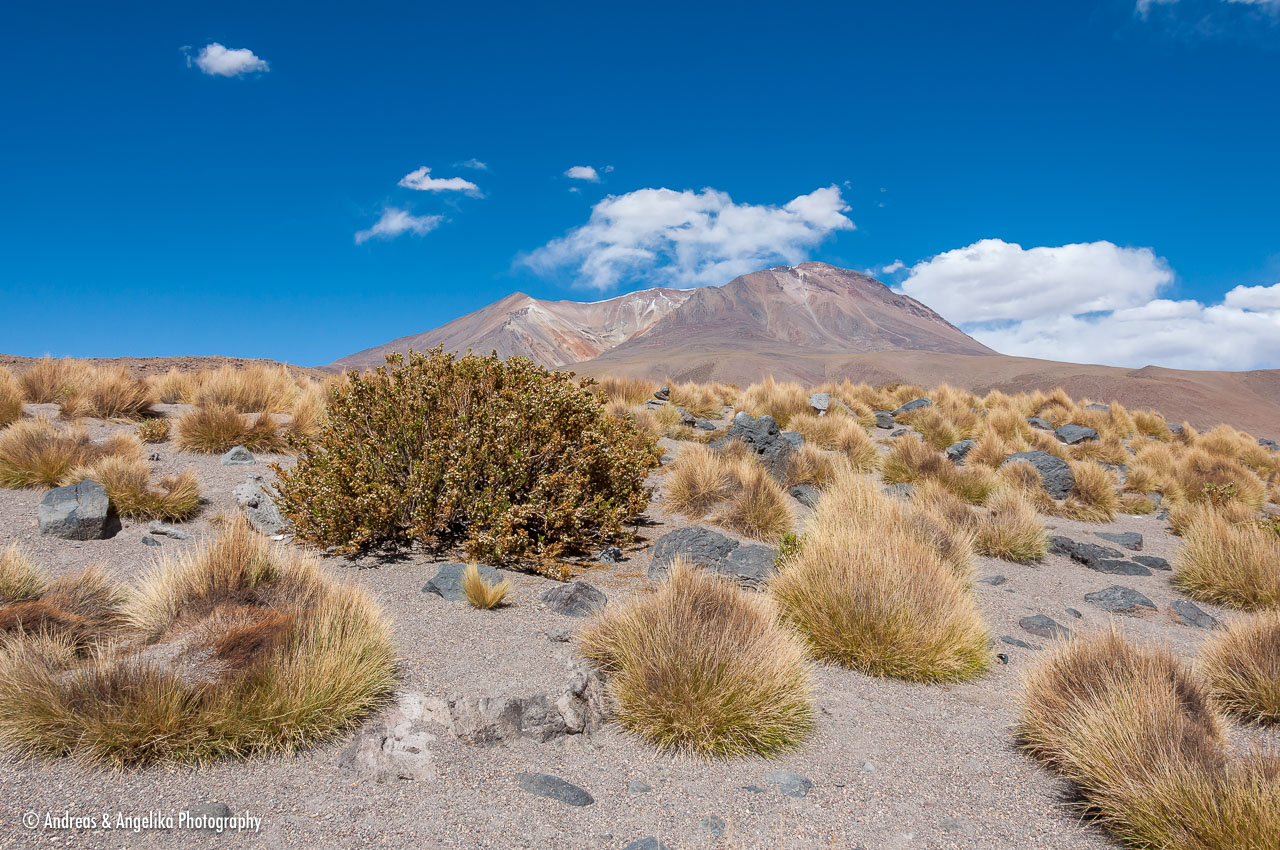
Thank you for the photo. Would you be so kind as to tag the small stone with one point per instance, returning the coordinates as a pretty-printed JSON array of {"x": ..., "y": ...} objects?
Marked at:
[
  {"x": 1044, "y": 626},
  {"x": 647, "y": 843},
  {"x": 637, "y": 787},
  {"x": 820, "y": 402},
  {"x": 753, "y": 789},
  {"x": 1152, "y": 562},
  {"x": 447, "y": 582},
  {"x": 610, "y": 555},
  {"x": 1131, "y": 540},
  {"x": 1118, "y": 568},
  {"x": 900, "y": 432},
  {"x": 159, "y": 528},
  {"x": 1073, "y": 434},
  {"x": 914, "y": 404},
  {"x": 259, "y": 506},
  {"x": 1093, "y": 405},
  {"x": 1074, "y": 613},
  {"x": 805, "y": 494},
  {"x": 1002, "y": 657},
  {"x": 1176, "y": 429},
  {"x": 559, "y": 635},
  {"x": 957, "y": 826},
  {"x": 238, "y": 456},
  {"x": 868, "y": 767},
  {"x": 956, "y": 452},
  {"x": 203, "y": 816},
  {"x": 712, "y": 825},
  {"x": 1013, "y": 641},
  {"x": 554, "y": 788},
  {"x": 1119, "y": 600},
  {"x": 578, "y": 599},
  {"x": 790, "y": 784},
  {"x": 663, "y": 393},
  {"x": 1039, "y": 424},
  {"x": 884, "y": 418},
  {"x": 1191, "y": 614},
  {"x": 150, "y": 541},
  {"x": 994, "y": 581}
]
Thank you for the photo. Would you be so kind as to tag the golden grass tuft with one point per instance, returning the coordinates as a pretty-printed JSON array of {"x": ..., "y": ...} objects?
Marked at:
[
  {"x": 841, "y": 433},
  {"x": 480, "y": 593},
  {"x": 628, "y": 391},
  {"x": 253, "y": 389},
  {"x": 1152, "y": 424},
  {"x": 109, "y": 392},
  {"x": 1242, "y": 665},
  {"x": 810, "y": 465},
  {"x": 757, "y": 506},
  {"x": 702, "y": 666},
  {"x": 696, "y": 481},
  {"x": 36, "y": 453},
  {"x": 1229, "y": 563},
  {"x": 127, "y": 480},
  {"x": 1011, "y": 529},
  {"x": 10, "y": 398},
  {"x": 869, "y": 589},
  {"x": 309, "y": 410},
  {"x": 1093, "y": 498},
  {"x": 19, "y": 578},
  {"x": 49, "y": 379},
  {"x": 175, "y": 386},
  {"x": 911, "y": 461},
  {"x": 782, "y": 401},
  {"x": 706, "y": 400},
  {"x": 213, "y": 430},
  {"x": 154, "y": 430}
]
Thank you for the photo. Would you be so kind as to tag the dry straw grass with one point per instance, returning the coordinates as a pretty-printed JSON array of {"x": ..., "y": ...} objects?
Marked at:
[
  {"x": 1229, "y": 563},
  {"x": 696, "y": 481},
  {"x": 1140, "y": 738},
  {"x": 1094, "y": 497},
  {"x": 480, "y": 593},
  {"x": 870, "y": 590},
  {"x": 127, "y": 480},
  {"x": 110, "y": 392},
  {"x": 750, "y": 501},
  {"x": 628, "y": 391},
  {"x": 49, "y": 379},
  {"x": 37, "y": 453},
  {"x": 701, "y": 666},
  {"x": 1242, "y": 665},
  {"x": 1011, "y": 529},
  {"x": 782, "y": 401},
  {"x": 253, "y": 389},
  {"x": 10, "y": 398},
  {"x": 810, "y": 465},
  {"x": 841, "y": 433},
  {"x": 19, "y": 578},
  {"x": 233, "y": 648},
  {"x": 176, "y": 386},
  {"x": 213, "y": 430},
  {"x": 757, "y": 507},
  {"x": 911, "y": 461}
]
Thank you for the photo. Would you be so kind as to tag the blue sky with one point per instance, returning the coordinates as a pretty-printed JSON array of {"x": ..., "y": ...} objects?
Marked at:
[{"x": 157, "y": 200}]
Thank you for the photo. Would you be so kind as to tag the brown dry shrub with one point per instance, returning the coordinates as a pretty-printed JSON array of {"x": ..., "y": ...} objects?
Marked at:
[
  {"x": 1242, "y": 664},
  {"x": 155, "y": 430},
  {"x": 1229, "y": 563},
  {"x": 49, "y": 379}
]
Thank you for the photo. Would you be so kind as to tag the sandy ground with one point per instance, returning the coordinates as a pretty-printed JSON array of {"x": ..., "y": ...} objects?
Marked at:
[{"x": 893, "y": 765}]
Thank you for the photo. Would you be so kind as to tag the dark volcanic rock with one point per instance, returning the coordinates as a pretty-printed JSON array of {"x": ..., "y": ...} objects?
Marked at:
[
  {"x": 884, "y": 418},
  {"x": 555, "y": 788},
  {"x": 957, "y": 451},
  {"x": 1128, "y": 539},
  {"x": 447, "y": 582},
  {"x": 805, "y": 494},
  {"x": 1119, "y": 600},
  {"x": 772, "y": 446},
  {"x": 749, "y": 563},
  {"x": 1118, "y": 568},
  {"x": 914, "y": 404},
  {"x": 77, "y": 512},
  {"x": 1040, "y": 424},
  {"x": 577, "y": 599},
  {"x": 1073, "y": 434},
  {"x": 1190, "y": 614},
  {"x": 1152, "y": 561},
  {"x": 1054, "y": 471},
  {"x": 1044, "y": 626}
]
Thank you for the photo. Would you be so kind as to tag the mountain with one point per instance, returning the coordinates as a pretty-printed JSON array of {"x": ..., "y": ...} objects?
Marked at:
[{"x": 553, "y": 333}]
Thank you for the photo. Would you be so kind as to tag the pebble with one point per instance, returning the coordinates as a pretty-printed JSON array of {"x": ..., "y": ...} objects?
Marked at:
[
  {"x": 637, "y": 787},
  {"x": 994, "y": 581},
  {"x": 790, "y": 784},
  {"x": 554, "y": 788},
  {"x": 1074, "y": 613},
  {"x": 712, "y": 825}
]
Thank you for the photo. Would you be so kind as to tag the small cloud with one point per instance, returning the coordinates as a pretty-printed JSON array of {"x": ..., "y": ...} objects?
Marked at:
[
  {"x": 473, "y": 163},
  {"x": 608, "y": 168},
  {"x": 895, "y": 266},
  {"x": 584, "y": 172},
  {"x": 218, "y": 61},
  {"x": 395, "y": 222},
  {"x": 575, "y": 189},
  {"x": 421, "y": 180}
]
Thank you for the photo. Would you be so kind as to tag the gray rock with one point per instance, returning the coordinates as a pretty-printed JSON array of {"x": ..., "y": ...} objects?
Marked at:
[
  {"x": 712, "y": 825},
  {"x": 1268, "y": 444},
  {"x": 559, "y": 635},
  {"x": 795, "y": 438},
  {"x": 1128, "y": 539},
  {"x": 1039, "y": 424},
  {"x": 610, "y": 555},
  {"x": 1044, "y": 626},
  {"x": 150, "y": 541},
  {"x": 1073, "y": 434},
  {"x": 654, "y": 404},
  {"x": 1152, "y": 562},
  {"x": 820, "y": 402},
  {"x": 1074, "y": 613},
  {"x": 914, "y": 404},
  {"x": 159, "y": 528},
  {"x": 1013, "y": 641},
  {"x": 1191, "y": 614},
  {"x": 1088, "y": 554},
  {"x": 77, "y": 512},
  {"x": 994, "y": 581},
  {"x": 203, "y": 817},
  {"x": 957, "y": 451},
  {"x": 577, "y": 599},
  {"x": 1093, "y": 405},
  {"x": 772, "y": 447},
  {"x": 884, "y": 418},
  {"x": 554, "y": 788},
  {"x": 1118, "y": 568},
  {"x": 805, "y": 494},
  {"x": 238, "y": 456},
  {"x": 259, "y": 506},
  {"x": 1176, "y": 429},
  {"x": 637, "y": 787},
  {"x": 687, "y": 418},
  {"x": 647, "y": 843},
  {"x": 399, "y": 747},
  {"x": 790, "y": 784},
  {"x": 1055, "y": 473},
  {"x": 751, "y": 564},
  {"x": 1119, "y": 600},
  {"x": 663, "y": 393},
  {"x": 900, "y": 432},
  {"x": 579, "y": 709},
  {"x": 900, "y": 491},
  {"x": 447, "y": 582}
]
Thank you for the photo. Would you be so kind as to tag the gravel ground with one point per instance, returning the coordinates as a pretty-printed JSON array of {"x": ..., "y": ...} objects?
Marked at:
[{"x": 893, "y": 765}]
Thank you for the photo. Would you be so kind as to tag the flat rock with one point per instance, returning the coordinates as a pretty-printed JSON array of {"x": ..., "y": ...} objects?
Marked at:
[
  {"x": 259, "y": 506},
  {"x": 150, "y": 541},
  {"x": 820, "y": 402},
  {"x": 1191, "y": 614},
  {"x": 1131, "y": 540},
  {"x": 1114, "y": 567},
  {"x": 637, "y": 787},
  {"x": 397, "y": 748},
  {"x": 790, "y": 784},
  {"x": 884, "y": 418},
  {"x": 957, "y": 451},
  {"x": 554, "y": 788},
  {"x": 1152, "y": 562},
  {"x": 750, "y": 563},
  {"x": 1018, "y": 642},
  {"x": 1074, "y": 434},
  {"x": 1083, "y": 553},
  {"x": 1039, "y": 424},
  {"x": 577, "y": 599},
  {"x": 647, "y": 843},
  {"x": 238, "y": 456},
  {"x": 914, "y": 404},
  {"x": 994, "y": 581},
  {"x": 1055, "y": 473},
  {"x": 77, "y": 512},
  {"x": 1119, "y": 600},
  {"x": 162, "y": 530},
  {"x": 1093, "y": 405},
  {"x": 805, "y": 494},
  {"x": 1044, "y": 626},
  {"x": 447, "y": 582},
  {"x": 663, "y": 393},
  {"x": 1074, "y": 613}
]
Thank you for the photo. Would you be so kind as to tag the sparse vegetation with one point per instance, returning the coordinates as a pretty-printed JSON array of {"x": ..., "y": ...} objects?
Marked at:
[
  {"x": 841, "y": 433},
  {"x": 49, "y": 380},
  {"x": 127, "y": 480},
  {"x": 213, "y": 430},
  {"x": 1093, "y": 498},
  {"x": 19, "y": 578},
  {"x": 1230, "y": 563},
  {"x": 911, "y": 461},
  {"x": 704, "y": 667},
  {"x": 757, "y": 505},
  {"x": 1010, "y": 529},
  {"x": 109, "y": 392},
  {"x": 696, "y": 481},
  {"x": 37, "y": 453},
  {"x": 253, "y": 389},
  {"x": 155, "y": 430},
  {"x": 480, "y": 593},
  {"x": 1242, "y": 664},
  {"x": 10, "y": 398}
]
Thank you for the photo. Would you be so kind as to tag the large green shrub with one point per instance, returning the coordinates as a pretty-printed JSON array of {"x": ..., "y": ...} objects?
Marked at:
[{"x": 516, "y": 463}]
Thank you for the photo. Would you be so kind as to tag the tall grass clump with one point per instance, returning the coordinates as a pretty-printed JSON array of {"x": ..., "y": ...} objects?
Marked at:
[
  {"x": 911, "y": 461},
  {"x": 253, "y": 389},
  {"x": 231, "y": 649},
  {"x": 696, "y": 481},
  {"x": 707, "y": 400},
  {"x": 1228, "y": 563},
  {"x": 516, "y": 463},
  {"x": 702, "y": 666},
  {"x": 480, "y": 593},
  {"x": 37, "y": 453},
  {"x": 110, "y": 392},
  {"x": 870, "y": 590},
  {"x": 213, "y": 430},
  {"x": 176, "y": 386},
  {"x": 10, "y": 398},
  {"x": 1242, "y": 664},
  {"x": 757, "y": 505},
  {"x": 50, "y": 380},
  {"x": 629, "y": 391},
  {"x": 1141, "y": 740},
  {"x": 1094, "y": 496},
  {"x": 1011, "y": 529},
  {"x": 841, "y": 433},
  {"x": 127, "y": 480},
  {"x": 19, "y": 578},
  {"x": 782, "y": 401}
]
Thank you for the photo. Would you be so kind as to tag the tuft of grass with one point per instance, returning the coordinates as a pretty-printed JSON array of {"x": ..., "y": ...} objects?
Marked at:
[
  {"x": 1011, "y": 530},
  {"x": 702, "y": 666},
  {"x": 696, "y": 481},
  {"x": 154, "y": 430},
  {"x": 627, "y": 391},
  {"x": 841, "y": 433},
  {"x": 1152, "y": 424},
  {"x": 110, "y": 392},
  {"x": 810, "y": 465},
  {"x": 1242, "y": 665},
  {"x": 10, "y": 398},
  {"x": 1136, "y": 503},
  {"x": 757, "y": 505},
  {"x": 1229, "y": 563},
  {"x": 19, "y": 578},
  {"x": 911, "y": 461},
  {"x": 175, "y": 386},
  {"x": 49, "y": 380},
  {"x": 1093, "y": 498},
  {"x": 36, "y": 453},
  {"x": 213, "y": 430},
  {"x": 309, "y": 410},
  {"x": 707, "y": 400},
  {"x": 782, "y": 401},
  {"x": 253, "y": 389},
  {"x": 127, "y": 481},
  {"x": 480, "y": 593},
  {"x": 870, "y": 590}
]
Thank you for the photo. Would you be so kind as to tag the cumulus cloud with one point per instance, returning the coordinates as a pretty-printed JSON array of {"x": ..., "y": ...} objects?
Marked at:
[
  {"x": 689, "y": 238},
  {"x": 219, "y": 61},
  {"x": 895, "y": 266},
  {"x": 421, "y": 180},
  {"x": 1095, "y": 302},
  {"x": 395, "y": 222},
  {"x": 583, "y": 172}
]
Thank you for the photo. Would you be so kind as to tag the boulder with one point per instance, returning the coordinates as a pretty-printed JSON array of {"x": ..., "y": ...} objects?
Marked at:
[
  {"x": 884, "y": 418},
  {"x": 914, "y": 404},
  {"x": 663, "y": 393},
  {"x": 1084, "y": 553},
  {"x": 1191, "y": 614},
  {"x": 447, "y": 582},
  {"x": 751, "y": 564},
  {"x": 1119, "y": 600},
  {"x": 1040, "y": 424},
  {"x": 577, "y": 599},
  {"x": 805, "y": 494},
  {"x": 957, "y": 451},
  {"x": 771, "y": 445},
  {"x": 1044, "y": 626},
  {"x": 1073, "y": 434},
  {"x": 395, "y": 748},
  {"x": 1268, "y": 444},
  {"x": 1152, "y": 562},
  {"x": 1128, "y": 539},
  {"x": 77, "y": 512},
  {"x": 1055, "y": 473},
  {"x": 259, "y": 506},
  {"x": 238, "y": 456},
  {"x": 820, "y": 402}
]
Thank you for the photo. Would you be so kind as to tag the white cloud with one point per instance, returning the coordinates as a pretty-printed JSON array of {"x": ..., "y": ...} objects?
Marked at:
[
  {"x": 1095, "y": 303},
  {"x": 583, "y": 172},
  {"x": 395, "y": 222},
  {"x": 1143, "y": 7},
  {"x": 895, "y": 266},
  {"x": 689, "y": 238},
  {"x": 473, "y": 163},
  {"x": 218, "y": 61},
  {"x": 421, "y": 180}
]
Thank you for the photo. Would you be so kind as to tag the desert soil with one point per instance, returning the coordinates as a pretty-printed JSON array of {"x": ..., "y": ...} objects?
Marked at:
[{"x": 892, "y": 765}]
